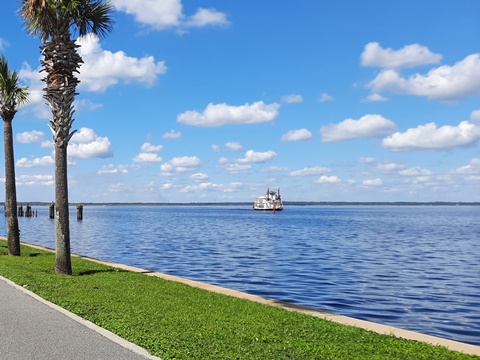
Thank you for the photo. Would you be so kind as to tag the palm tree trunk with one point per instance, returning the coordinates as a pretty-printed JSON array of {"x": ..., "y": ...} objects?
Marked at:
[
  {"x": 61, "y": 60},
  {"x": 13, "y": 232},
  {"x": 63, "y": 264}
]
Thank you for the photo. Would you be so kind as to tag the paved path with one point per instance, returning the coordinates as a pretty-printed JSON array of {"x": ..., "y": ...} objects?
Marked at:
[{"x": 34, "y": 329}]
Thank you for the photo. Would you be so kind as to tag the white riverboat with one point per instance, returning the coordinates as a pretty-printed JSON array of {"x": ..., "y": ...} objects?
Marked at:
[{"x": 270, "y": 201}]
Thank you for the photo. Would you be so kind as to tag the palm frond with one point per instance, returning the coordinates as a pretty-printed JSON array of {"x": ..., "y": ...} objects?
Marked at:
[
  {"x": 93, "y": 17},
  {"x": 11, "y": 94},
  {"x": 38, "y": 17},
  {"x": 43, "y": 17}
]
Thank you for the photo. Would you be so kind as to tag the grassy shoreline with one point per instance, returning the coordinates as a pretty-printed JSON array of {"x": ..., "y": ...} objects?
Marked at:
[{"x": 176, "y": 321}]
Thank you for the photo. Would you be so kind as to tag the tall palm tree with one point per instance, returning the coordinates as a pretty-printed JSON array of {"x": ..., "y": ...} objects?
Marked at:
[
  {"x": 11, "y": 96},
  {"x": 54, "y": 21}
]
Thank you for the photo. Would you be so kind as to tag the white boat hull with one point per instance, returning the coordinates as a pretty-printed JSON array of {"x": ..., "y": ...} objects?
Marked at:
[{"x": 267, "y": 207}]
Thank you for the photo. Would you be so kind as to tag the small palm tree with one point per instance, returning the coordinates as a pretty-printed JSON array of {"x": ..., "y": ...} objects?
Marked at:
[
  {"x": 54, "y": 21},
  {"x": 11, "y": 96}
]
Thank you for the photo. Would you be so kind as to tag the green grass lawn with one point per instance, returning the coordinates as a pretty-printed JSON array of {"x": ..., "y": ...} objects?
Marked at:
[{"x": 176, "y": 321}]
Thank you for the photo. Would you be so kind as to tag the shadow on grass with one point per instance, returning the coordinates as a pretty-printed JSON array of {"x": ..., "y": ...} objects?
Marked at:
[
  {"x": 92, "y": 272},
  {"x": 34, "y": 254}
]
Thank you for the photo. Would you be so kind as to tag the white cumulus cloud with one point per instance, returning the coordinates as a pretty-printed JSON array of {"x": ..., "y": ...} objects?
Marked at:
[
  {"x": 149, "y": 148},
  {"x": 160, "y": 15},
  {"x": 223, "y": 114},
  {"x": 84, "y": 136},
  {"x": 102, "y": 68},
  {"x": 328, "y": 180},
  {"x": 234, "y": 145},
  {"x": 29, "y": 137},
  {"x": 112, "y": 169},
  {"x": 43, "y": 161},
  {"x": 257, "y": 157},
  {"x": 33, "y": 180},
  {"x": 316, "y": 170},
  {"x": 445, "y": 83},
  {"x": 146, "y": 157},
  {"x": 431, "y": 137},
  {"x": 408, "y": 56},
  {"x": 199, "y": 176},
  {"x": 207, "y": 17},
  {"x": 371, "y": 125},
  {"x": 85, "y": 144},
  {"x": 297, "y": 135},
  {"x": 375, "y": 98},
  {"x": 473, "y": 167},
  {"x": 181, "y": 164}
]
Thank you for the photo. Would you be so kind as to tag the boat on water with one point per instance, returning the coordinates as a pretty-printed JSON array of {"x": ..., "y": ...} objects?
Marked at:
[{"x": 270, "y": 201}]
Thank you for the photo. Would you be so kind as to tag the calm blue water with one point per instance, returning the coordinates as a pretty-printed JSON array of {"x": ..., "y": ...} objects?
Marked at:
[{"x": 415, "y": 267}]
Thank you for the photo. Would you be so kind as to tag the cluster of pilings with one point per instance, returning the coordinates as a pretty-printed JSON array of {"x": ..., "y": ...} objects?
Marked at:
[{"x": 27, "y": 213}]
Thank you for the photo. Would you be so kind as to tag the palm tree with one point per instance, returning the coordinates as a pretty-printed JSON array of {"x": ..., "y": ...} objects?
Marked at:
[
  {"x": 54, "y": 21},
  {"x": 11, "y": 96}
]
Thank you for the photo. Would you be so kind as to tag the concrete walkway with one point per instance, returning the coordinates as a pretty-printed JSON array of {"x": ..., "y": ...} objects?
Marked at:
[{"x": 35, "y": 329}]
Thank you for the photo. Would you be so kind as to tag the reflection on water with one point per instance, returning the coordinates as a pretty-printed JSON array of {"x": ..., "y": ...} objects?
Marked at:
[{"x": 412, "y": 267}]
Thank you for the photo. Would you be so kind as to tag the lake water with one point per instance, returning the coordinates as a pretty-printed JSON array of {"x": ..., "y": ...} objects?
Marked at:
[{"x": 413, "y": 267}]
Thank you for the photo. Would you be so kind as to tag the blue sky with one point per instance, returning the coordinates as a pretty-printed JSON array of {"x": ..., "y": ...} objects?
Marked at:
[{"x": 192, "y": 101}]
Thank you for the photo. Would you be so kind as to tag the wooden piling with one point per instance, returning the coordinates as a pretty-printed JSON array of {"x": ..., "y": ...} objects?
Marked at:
[
  {"x": 52, "y": 210},
  {"x": 28, "y": 211},
  {"x": 79, "y": 212}
]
